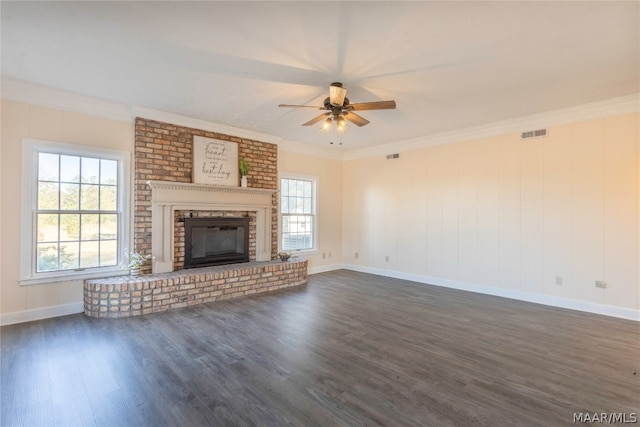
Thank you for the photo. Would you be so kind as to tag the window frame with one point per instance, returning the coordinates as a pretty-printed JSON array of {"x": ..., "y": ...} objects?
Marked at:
[
  {"x": 314, "y": 201},
  {"x": 28, "y": 268}
]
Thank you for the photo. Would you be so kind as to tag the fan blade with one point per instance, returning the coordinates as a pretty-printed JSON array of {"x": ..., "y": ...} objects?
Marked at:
[
  {"x": 356, "y": 119},
  {"x": 379, "y": 105},
  {"x": 316, "y": 119},
  {"x": 337, "y": 94},
  {"x": 315, "y": 107}
]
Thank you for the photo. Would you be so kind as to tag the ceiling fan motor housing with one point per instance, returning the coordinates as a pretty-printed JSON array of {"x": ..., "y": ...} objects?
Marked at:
[{"x": 335, "y": 109}]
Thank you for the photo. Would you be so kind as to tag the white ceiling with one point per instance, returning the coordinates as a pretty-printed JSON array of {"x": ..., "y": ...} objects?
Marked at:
[{"x": 448, "y": 65}]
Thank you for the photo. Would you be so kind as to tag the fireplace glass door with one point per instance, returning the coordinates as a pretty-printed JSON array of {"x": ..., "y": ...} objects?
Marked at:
[{"x": 215, "y": 241}]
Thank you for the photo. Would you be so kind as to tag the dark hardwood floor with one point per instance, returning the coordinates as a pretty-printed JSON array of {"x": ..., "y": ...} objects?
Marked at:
[{"x": 346, "y": 349}]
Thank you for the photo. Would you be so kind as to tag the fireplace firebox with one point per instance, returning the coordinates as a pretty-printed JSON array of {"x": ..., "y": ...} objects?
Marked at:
[{"x": 215, "y": 241}]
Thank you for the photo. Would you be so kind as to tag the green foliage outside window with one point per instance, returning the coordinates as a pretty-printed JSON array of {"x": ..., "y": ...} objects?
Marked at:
[{"x": 77, "y": 212}]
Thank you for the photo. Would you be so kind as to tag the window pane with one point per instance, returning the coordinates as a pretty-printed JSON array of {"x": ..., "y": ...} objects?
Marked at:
[
  {"x": 89, "y": 253},
  {"x": 298, "y": 199},
  {"x": 108, "y": 226},
  {"x": 69, "y": 196},
  {"x": 89, "y": 197},
  {"x": 108, "y": 198},
  {"x": 69, "y": 227},
  {"x": 108, "y": 252},
  {"x": 47, "y": 227},
  {"x": 48, "y": 167},
  {"x": 90, "y": 229},
  {"x": 69, "y": 169},
  {"x": 108, "y": 172},
  {"x": 297, "y": 232},
  {"x": 66, "y": 239},
  {"x": 90, "y": 170},
  {"x": 48, "y": 195},
  {"x": 47, "y": 257},
  {"x": 69, "y": 255},
  {"x": 294, "y": 225}
]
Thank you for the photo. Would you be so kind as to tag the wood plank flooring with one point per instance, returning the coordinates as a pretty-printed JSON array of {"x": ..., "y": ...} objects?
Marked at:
[{"x": 347, "y": 349}]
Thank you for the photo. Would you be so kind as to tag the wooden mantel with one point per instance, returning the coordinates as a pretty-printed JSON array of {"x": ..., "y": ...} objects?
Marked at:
[{"x": 168, "y": 197}]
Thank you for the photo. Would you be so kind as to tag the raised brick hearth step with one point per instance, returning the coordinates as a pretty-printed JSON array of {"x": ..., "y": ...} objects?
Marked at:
[{"x": 125, "y": 296}]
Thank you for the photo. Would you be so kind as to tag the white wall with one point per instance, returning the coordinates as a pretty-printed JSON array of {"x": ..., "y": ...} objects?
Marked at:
[
  {"x": 505, "y": 216},
  {"x": 329, "y": 173},
  {"x": 496, "y": 215},
  {"x": 21, "y": 120}
]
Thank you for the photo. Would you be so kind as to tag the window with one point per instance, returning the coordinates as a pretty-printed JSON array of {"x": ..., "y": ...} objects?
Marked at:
[
  {"x": 74, "y": 210},
  {"x": 298, "y": 213}
]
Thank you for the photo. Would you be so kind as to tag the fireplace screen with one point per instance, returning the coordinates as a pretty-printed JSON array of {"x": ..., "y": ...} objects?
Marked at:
[{"x": 215, "y": 241}]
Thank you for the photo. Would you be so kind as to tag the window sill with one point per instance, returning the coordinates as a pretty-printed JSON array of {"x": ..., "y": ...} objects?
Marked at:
[
  {"x": 72, "y": 276},
  {"x": 301, "y": 251}
]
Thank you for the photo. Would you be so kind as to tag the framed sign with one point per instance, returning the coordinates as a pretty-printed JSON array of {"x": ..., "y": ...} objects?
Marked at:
[{"x": 215, "y": 161}]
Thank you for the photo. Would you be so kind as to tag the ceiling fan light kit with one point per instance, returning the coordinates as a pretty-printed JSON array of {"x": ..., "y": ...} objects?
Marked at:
[{"x": 339, "y": 110}]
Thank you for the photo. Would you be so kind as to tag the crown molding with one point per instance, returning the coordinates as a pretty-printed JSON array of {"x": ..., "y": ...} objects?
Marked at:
[
  {"x": 30, "y": 93},
  {"x": 176, "y": 119},
  {"x": 310, "y": 150},
  {"x": 595, "y": 110},
  {"x": 291, "y": 146}
]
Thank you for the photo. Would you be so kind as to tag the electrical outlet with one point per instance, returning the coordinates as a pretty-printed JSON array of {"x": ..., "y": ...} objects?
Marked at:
[
  {"x": 386, "y": 258},
  {"x": 558, "y": 280},
  {"x": 324, "y": 255},
  {"x": 601, "y": 284},
  {"x": 356, "y": 255}
]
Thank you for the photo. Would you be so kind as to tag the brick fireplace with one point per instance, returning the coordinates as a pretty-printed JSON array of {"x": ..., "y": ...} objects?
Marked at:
[
  {"x": 164, "y": 154},
  {"x": 165, "y": 194},
  {"x": 169, "y": 198}
]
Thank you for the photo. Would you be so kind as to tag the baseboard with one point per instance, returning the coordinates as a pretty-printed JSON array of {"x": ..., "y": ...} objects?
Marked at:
[
  {"x": 74, "y": 308},
  {"x": 40, "y": 313},
  {"x": 325, "y": 268},
  {"x": 589, "y": 307}
]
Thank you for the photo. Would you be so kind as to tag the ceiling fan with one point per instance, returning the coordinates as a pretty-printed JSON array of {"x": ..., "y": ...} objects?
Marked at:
[{"x": 338, "y": 108}]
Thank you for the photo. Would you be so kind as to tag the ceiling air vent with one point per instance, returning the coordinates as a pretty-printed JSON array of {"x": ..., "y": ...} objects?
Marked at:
[{"x": 534, "y": 134}]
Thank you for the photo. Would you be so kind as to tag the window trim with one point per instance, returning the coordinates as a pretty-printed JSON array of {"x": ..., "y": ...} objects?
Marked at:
[
  {"x": 314, "y": 189},
  {"x": 30, "y": 148}
]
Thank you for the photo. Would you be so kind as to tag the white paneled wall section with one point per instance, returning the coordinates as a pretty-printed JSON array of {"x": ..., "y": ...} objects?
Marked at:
[{"x": 540, "y": 219}]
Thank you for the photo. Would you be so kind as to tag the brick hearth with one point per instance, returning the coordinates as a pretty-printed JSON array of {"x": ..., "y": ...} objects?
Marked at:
[{"x": 126, "y": 296}]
